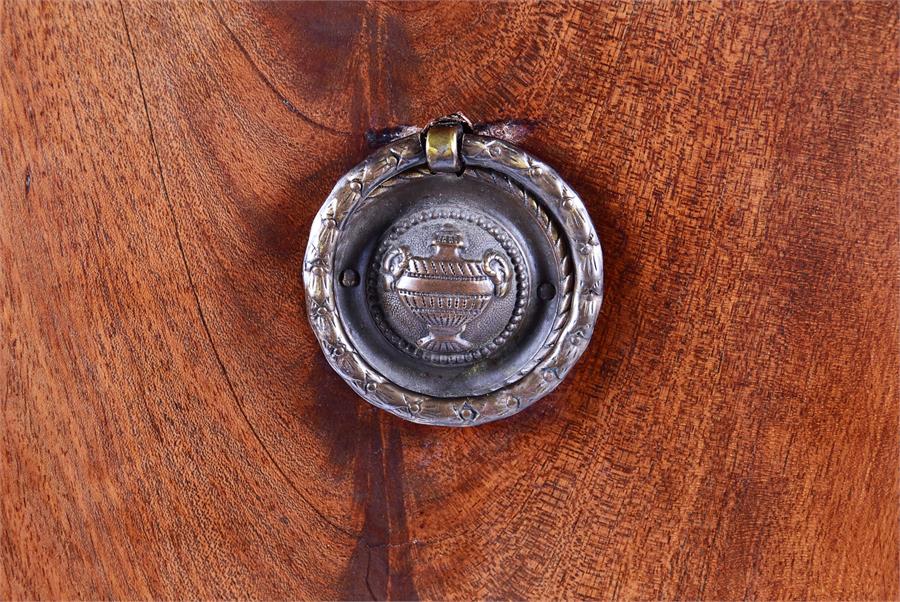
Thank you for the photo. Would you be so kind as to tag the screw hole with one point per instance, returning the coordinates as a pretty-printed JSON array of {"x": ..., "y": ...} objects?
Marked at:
[
  {"x": 349, "y": 278},
  {"x": 546, "y": 291}
]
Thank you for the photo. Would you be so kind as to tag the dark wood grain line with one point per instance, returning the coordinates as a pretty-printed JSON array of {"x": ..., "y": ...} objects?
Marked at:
[
  {"x": 730, "y": 433},
  {"x": 199, "y": 307},
  {"x": 285, "y": 101}
]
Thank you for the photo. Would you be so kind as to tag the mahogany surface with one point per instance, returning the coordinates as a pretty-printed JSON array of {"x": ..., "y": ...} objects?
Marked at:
[{"x": 170, "y": 429}]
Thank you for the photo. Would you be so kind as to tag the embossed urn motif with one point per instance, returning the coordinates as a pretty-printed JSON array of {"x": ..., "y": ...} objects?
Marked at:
[{"x": 445, "y": 291}]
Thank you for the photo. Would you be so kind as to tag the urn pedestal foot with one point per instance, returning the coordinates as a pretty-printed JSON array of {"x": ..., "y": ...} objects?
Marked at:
[{"x": 445, "y": 340}]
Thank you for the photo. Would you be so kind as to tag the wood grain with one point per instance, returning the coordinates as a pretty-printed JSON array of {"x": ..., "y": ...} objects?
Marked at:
[{"x": 169, "y": 427}]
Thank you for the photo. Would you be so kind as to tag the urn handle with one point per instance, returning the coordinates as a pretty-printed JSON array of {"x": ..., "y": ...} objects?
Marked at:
[
  {"x": 393, "y": 265},
  {"x": 497, "y": 269}
]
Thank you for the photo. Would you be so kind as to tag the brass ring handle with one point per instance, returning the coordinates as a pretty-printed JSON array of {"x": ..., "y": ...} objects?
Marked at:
[{"x": 453, "y": 279}]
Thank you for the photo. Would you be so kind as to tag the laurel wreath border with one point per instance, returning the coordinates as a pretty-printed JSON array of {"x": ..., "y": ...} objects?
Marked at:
[{"x": 554, "y": 195}]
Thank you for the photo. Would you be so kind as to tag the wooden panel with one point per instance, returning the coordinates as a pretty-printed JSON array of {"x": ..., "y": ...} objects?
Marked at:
[{"x": 170, "y": 429}]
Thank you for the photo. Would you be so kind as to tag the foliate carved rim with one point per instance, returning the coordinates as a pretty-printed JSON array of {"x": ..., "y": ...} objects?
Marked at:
[{"x": 555, "y": 197}]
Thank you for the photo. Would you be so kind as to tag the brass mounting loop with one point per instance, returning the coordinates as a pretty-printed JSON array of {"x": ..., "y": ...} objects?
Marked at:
[{"x": 442, "y": 142}]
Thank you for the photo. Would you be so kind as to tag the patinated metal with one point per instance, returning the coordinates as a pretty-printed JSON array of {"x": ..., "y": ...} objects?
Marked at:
[
  {"x": 442, "y": 147},
  {"x": 444, "y": 292},
  {"x": 452, "y": 278}
]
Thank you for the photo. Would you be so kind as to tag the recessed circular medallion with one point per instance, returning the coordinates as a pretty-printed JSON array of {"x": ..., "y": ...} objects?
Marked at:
[
  {"x": 452, "y": 278},
  {"x": 448, "y": 286}
]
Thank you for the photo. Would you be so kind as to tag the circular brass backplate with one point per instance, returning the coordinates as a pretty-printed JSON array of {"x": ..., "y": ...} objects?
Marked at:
[{"x": 452, "y": 279}]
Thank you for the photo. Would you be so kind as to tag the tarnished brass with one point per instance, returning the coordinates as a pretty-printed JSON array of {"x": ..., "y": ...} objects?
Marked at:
[
  {"x": 451, "y": 278},
  {"x": 442, "y": 147},
  {"x": 445, "y": 291}
]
